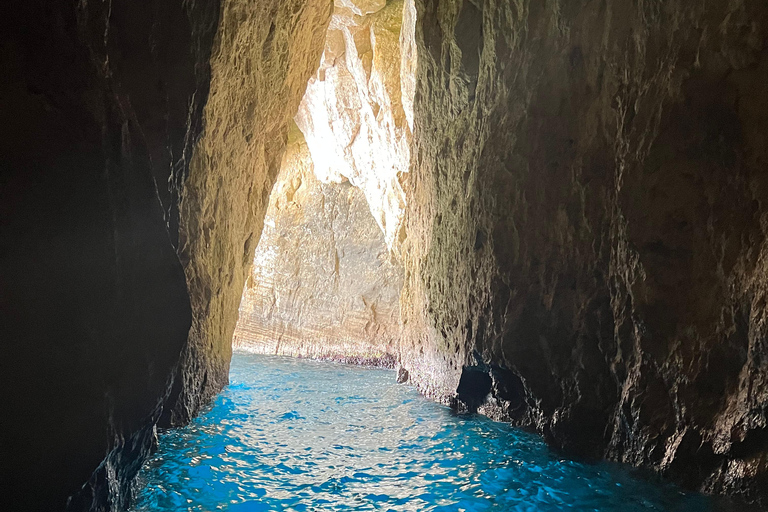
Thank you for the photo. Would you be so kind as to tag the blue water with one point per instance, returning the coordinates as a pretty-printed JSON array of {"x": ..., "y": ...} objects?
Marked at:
[{"x": 299, "y": 435}]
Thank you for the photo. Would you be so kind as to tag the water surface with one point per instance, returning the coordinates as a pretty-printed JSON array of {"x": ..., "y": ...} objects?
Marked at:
[{"x": 300, "y": 435}]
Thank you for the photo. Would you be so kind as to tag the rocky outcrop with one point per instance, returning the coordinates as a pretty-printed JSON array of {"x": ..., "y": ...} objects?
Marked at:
[
  {"x": 584, "y": 248},
  {"x": 323, "y": 283},
  {"x": 104, "y": 183},
  {"x": 356, "y": 110},
  {"x": 586, "y": 237},
  {"x": 263, "y": 56}
]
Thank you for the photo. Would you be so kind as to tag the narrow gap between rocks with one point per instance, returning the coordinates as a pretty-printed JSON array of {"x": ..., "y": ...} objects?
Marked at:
[{"x": 326, "y": 276}]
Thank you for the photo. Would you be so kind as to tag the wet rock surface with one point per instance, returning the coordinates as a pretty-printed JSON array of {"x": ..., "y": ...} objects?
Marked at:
[
  {"x": 586, "y": 213},
  {"x": 323, "y": 284}
]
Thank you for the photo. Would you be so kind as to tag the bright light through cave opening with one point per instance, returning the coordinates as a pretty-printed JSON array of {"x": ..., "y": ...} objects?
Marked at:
[{"x": 326, "y": 279}]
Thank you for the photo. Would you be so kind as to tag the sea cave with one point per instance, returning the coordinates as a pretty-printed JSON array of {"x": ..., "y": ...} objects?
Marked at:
[{"x": 384, "y": 255}]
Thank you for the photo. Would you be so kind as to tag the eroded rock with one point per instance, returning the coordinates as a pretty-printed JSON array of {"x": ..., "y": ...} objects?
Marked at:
[
  {"x": 99, "y": 103},
  {"x": 323, "y": 284},
  {"x": 263, "y": 56},
  {"x": 355, "y": 110},
  {"x": 587, "y": 211},
  {"x": 586, "y": 228},
  {"x": 102, "y": 108}
]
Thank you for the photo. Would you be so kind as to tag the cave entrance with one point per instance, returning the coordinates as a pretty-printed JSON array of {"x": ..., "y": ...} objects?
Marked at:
[{"x": 326, "y": 277}]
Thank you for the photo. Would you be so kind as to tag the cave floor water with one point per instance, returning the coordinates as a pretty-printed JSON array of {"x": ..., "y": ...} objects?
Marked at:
[{"x": 300, "y": 435}]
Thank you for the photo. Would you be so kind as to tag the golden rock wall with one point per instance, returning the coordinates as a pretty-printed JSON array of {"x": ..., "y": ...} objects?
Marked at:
[{"x": 263, "y": 55}]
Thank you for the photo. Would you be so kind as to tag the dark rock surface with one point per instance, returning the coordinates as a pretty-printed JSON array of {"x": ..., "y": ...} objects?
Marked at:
[
  {"x": 100, "y": 108},
  {"x": 587, "y": 213}
]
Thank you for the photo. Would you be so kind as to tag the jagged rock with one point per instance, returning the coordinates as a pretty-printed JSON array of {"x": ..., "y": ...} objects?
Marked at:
[
  {"x": 263, "y": 56},
  {"x": 354, "y": 112},
  {"x": 102, "y": 108},
  {"x": 323, "y": 284},
  {"x": 99, "y": 103},
  {"x": 586, "y": 217},
  {"x": 587, "y": 211}
]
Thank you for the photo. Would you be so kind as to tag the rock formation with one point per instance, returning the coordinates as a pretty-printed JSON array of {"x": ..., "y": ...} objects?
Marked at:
[
  {"x": 323, "y": 284},
  {"x": 582, "y": 230},
  {"x": 104, "y": 182},
  {"x": 586, "y": 233},
  {"x": 262, "y": 59},
  {"x": 355, "y": 112},
  {"x": 98, "y": 106}
]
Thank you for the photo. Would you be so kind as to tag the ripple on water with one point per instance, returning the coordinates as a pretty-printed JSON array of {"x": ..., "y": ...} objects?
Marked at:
[{"x": 298, "y": 435}]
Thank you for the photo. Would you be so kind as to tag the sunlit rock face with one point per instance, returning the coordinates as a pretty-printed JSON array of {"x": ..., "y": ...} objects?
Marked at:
[
  {"x": 325, "y": 281},
  {"x": 587, "y": 225},
  {"x": 323, "y": 284},
  {"x": 356, "y": 110},
  {"x": 263, "y": 56}
]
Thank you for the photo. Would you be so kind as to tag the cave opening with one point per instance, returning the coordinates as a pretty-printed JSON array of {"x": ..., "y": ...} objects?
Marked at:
[
  {"x": 326, "y": 276},
  {"x": 325, "y": 287}
]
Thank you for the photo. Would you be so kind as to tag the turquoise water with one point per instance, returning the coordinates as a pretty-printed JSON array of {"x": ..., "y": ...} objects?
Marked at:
[{"x": 299, "y": 435}]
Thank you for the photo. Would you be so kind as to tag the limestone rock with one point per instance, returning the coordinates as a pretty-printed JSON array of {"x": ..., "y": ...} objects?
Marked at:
[
  {"x": 353, "y": 114},
  {"x": 586, "y": 219},
  {"x": 263, "y": 55},
  {"x": 587, "y": 225},
  {"x": 323, "y": 283}
]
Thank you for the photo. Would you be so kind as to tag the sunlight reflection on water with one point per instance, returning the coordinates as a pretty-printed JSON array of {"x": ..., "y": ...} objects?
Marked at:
[{"x": 299, "y": 435}]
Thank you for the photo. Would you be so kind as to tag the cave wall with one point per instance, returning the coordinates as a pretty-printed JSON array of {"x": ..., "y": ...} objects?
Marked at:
[
  {"x": 263, "y": 55},
  {"x": 98, "y": 105},
  {"x": 139, "y": 142},
  {"x": 585, "y": 222},
  {"x": 323, "y": 283},
  {"x": 587, "y": 225}
]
